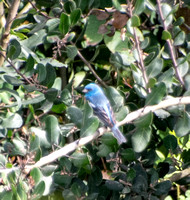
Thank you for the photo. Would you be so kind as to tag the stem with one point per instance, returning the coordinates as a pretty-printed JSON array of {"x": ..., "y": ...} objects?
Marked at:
[
  {"x": 169, "y": 42},
  {"x": 90, "y": 67},
  {"x": 5, "y": 37},
  {"x": 137, "y": 43},
  {"x": 14, "y": 67}
]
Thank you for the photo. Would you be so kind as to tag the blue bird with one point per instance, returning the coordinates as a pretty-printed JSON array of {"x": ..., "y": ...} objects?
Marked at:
[{"x": 102, "y": 108}]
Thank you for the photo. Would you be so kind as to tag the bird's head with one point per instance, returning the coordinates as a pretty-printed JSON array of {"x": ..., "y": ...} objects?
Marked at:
[{"x": 91, "y": 89}]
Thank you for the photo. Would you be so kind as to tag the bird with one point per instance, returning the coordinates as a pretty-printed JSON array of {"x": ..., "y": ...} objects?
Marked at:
[{"x": 102, "y": 109}]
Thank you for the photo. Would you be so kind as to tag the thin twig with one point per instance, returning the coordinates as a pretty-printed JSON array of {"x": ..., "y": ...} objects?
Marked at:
[
  {"x": 169, "y": 42},
  {"x": 5, "y": 37},
  {"x": 90, "y": 68},
  {"x": 80, "y": 142},
  {"x": 17, "y": 71},
  {"x": 34, "y": 6},
  {"x": 141, "y": 64}
]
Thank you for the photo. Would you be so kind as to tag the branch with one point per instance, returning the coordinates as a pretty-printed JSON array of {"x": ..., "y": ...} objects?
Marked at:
[
  {"x": 90, "y": 68},
  {"x": 142, "y": 67},
  {"x": 162, "y": 105},
  {"x": 169, "y": 42},
  {"x": 14, "y": 67},
  {"x": 80, "y": 142},
  {"x": 5, "y": 38},
  {"x": 179, "y": 175}
]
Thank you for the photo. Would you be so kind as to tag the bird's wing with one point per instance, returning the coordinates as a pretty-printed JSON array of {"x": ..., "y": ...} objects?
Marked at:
[{"x": 104, "y": 113}]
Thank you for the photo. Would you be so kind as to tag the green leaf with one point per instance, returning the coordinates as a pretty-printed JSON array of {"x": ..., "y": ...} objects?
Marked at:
[
  {"x": 51, "y": 94},
  {"x": 79, "y": 159},
  {"x": 163, "y": 188},
  {"x": 52, "y": 129},
  {"x": 179, "y": 39},
  {"x": 71, "y": 51},
  {"x": 182, "y": 126},
  {"x": 78, "y": 78},
  {"x": 90, "y": 123},
  {"x": 122, "y": 60},
  {"x": 50, "y": 76},
  {"x": 135, "y": 21},
  {"x": 154, "y": 68},
  {"x": 167, "y": 77},
  {"x": 14, "y": 49},
  {"x": 76, "y": 115},
  {"x": 89, "y": 127},
  {"x": 36, "y": 175},
  {"x": 116, "y": 44},
  {"x": 13, "y": 93},
  {"x": 141, "y": 136},
  {"x": 12, "y": 80},
  {"x": 170, "y": 142},
  {"x": 41, "y": 71},
  {"x": 13, "y": 121},
  {"x": 64, "y": 25},
  {"x": 52, "y": 62},
  {"x": 34, "y": 142},
  {"x": 104, "y": 150},
  {"x": 75, "y": 16},
  {"x": 128, "y": 154},
  {"x": 66, "y": 97},
  {"x": 166, "y": 11},
  {"x": 39, "y": 189},
  {"x": 68, "y": 195},
  {"x": 139, "y": 7},
  {"x": 115, "y": 98},
  {"x": 179, "y": 21},
  {"x": 41, "y": 134},
  {"x": 166, "y": 35},
  {"x": 156, "y": 95},
  {"x": 108, "y": 139},
  {"x": 144, "y": 121},
  {"x": 35, "y": 40},
  {"x": 19, "y": 147},
  {"x": 183, "y": 66},
  {"x": 114, "y": 185},
  {"x": 91, "y": 34}
]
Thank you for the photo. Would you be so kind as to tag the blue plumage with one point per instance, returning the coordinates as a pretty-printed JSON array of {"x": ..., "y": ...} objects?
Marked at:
[{"x": 102, "y": 108}]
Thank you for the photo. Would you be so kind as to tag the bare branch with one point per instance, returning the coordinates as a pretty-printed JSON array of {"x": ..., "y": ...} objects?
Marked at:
[
  {"x": 80, "y": 142},
  {"x": 169, "y": 42},
  {"x": 5, "y": 38},
  {"x": 137, "y": 43},
  {"x": 17, "y": 71}
]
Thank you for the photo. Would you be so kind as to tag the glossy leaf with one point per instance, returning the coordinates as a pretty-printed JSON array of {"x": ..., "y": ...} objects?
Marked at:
[
  {"x": 91, "y": 33},
  {"x": 51, "y": 94},
  {"x": 144, "y": 121},
  {"x": 139, "y": 7},
  {"x": 79, "y": 159},
  {"x": 135, "y": 20},
  {"x": 64, "y": 23},
  {"x": 13, "y": 121},
  {"x": 166, "y": 35},
  {"x": 141, "y": 136},
  {"x": 52, "y": 129},
  {"x": 182, "y": 125},
  {"x": 75, "y": 16},
  {"x": 154, "y": 68},
  {"x": 116, "y": 44},
  {"x": 76, "y": 115},
  {"x": 170, "y": 142},
  {"x": 156, "y": 95}
]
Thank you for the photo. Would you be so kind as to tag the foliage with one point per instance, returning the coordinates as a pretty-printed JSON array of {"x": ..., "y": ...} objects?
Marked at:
[{"x": 57, "y": 47}]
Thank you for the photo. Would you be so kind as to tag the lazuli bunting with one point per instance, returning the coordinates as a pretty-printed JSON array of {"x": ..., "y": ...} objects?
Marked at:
[{"x": 102, "y": 108}]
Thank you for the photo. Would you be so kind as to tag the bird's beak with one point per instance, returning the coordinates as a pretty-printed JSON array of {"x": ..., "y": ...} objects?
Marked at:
[{"x": 84, "y": 90}]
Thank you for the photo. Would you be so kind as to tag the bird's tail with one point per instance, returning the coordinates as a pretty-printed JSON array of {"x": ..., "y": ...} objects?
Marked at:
[{"x": 118, "y": 135}]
